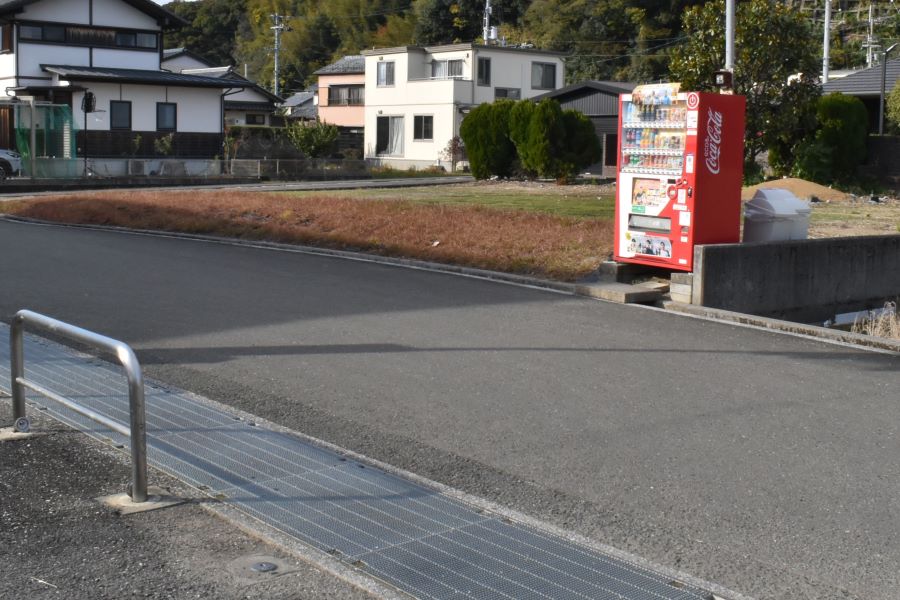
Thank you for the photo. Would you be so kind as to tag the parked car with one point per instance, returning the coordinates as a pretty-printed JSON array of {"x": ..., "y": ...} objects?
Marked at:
[{"x": 10, "y": 163}]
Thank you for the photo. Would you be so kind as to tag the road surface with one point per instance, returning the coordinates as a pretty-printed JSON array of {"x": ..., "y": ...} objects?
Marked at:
[{"x": 766, "y": 463}]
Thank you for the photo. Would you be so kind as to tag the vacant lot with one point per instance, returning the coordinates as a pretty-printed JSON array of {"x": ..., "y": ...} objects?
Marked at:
[
  {"x": 527, "y": 241},
  {"x": 541, "y": 229}
]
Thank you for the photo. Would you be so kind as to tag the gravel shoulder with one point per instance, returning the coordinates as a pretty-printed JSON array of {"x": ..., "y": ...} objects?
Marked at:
[{"x": 56, "y": 541}]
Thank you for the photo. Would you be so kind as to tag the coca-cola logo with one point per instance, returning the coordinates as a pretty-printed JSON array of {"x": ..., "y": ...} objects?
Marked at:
[{"x": 712, "y": 147}]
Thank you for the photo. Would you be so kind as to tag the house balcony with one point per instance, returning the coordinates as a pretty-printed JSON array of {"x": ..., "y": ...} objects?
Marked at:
[{"x": 440, "y": 90}]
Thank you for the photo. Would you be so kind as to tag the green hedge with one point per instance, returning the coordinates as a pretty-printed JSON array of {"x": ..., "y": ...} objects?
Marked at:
[{"x": 508, "y": 138}]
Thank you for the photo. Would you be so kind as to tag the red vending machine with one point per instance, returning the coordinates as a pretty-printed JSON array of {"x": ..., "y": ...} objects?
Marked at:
[{"x": 678, "y": 181}]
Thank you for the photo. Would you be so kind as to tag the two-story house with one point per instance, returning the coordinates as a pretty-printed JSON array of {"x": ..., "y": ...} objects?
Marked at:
[
  {"x": 250, "y": 105},
  {"x": 342, "y": 98},
  {"x": 416, "y": 97},
  {"x": 59, "y": 51}
]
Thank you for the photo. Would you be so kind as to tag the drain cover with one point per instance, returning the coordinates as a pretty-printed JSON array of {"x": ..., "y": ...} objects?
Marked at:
[{"x": 263, "y": 567}]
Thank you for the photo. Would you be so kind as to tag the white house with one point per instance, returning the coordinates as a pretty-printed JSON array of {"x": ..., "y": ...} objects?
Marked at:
[
  {"x": 56, "y": 51},
  {"x": 249, "y": 105},
  {"x": 416, "y": 97}
]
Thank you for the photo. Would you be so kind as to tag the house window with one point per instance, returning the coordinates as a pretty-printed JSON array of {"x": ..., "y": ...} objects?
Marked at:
[
  {"x": 385, "y": 73},
  {"x": 484, "y": 71},
  {"x": 511, "y": 93},
  {"x": 255, "y": 119},
  {"x": 84, "y": 35},
  {"x": 166, "y": 113},
  {"x": 543, "y": 76},
  {"x": 442, "y": 69},
  {"x": 423, "y": 127},
  {"x": 6, "y": 38},
  {"x": 146, "y": 40},
  {"x": 389, "y": 136},
  {"x": 346, "y": 95},
  {"x": 54, "y": 33},
  {"x": 119, "y": 114},
  {"x": 126, "y": 39}
]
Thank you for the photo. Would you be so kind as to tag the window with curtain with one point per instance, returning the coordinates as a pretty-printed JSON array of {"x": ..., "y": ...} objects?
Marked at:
[
  {"x": 385, "y": 73},
  {"x": 442, "y": 69},
  {"x": 389, "y": 136},
  {"x": 543, "y": 76}
]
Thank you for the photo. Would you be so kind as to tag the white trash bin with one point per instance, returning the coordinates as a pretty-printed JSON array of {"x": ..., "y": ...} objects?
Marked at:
[{"x": 774, "y": 215}]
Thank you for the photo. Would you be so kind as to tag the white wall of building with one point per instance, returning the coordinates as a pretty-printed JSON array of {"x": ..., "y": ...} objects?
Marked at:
[
  {"x": 126, "y": 59},
  {"x": 115, "y": 13},
  {"x": 415, "y": 93},
  {"x": 60, "y": 11},
  {"x": 199, "y": 110},
  {"x": 32, "y": 56}
]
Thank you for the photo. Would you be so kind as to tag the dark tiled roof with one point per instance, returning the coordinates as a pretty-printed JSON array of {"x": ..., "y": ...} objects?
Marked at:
[
  {"x": 162, "y": 16},
  {"x": 866, "y": 82},
  {"x": 76, "y": 73},
  {"x": 355, "y": 63},
  {"x": 299, "y": 98},
  {"x": 614, "y": 88},
  {"x": 229, "y": 74}
]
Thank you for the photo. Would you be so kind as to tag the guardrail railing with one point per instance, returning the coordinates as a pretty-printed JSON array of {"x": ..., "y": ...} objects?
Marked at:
[{"x": 123, "y": 353}]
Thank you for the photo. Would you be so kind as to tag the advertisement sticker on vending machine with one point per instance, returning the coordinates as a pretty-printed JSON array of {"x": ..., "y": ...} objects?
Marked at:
[{"x": 678, "y": 181}]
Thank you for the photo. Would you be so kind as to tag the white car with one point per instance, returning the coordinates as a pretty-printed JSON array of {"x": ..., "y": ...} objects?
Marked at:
[{"x": 10, "y": 163}]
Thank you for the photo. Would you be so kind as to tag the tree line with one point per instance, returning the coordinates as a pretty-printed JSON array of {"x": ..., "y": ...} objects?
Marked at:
[{"x": 624, "y": 40}]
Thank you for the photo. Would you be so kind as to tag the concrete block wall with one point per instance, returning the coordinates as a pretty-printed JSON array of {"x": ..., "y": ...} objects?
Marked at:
[{"x": 801, "y": 280}]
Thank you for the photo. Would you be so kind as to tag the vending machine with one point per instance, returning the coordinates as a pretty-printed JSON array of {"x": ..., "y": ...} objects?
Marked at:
[{"x": 678, "y": 181}]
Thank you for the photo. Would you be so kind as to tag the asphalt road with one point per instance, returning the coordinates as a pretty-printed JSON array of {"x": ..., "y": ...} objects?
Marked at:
[{"x": 766, "y": 463}]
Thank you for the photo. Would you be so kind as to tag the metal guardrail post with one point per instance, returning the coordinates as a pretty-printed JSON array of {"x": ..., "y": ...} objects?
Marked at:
[{"x": 137, "y": 430}]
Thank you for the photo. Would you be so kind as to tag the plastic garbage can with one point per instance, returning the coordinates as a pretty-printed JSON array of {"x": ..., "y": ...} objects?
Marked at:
[{"x": 774, "y": 215}]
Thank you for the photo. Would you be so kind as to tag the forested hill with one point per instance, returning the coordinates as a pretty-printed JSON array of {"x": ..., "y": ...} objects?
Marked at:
[{"x": 606, "y": 39}]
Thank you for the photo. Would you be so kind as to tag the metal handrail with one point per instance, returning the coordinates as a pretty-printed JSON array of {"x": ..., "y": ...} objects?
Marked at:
[{"x": 125, "y": 355}]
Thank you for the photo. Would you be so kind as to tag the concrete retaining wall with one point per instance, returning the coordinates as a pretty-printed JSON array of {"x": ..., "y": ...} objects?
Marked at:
[{"x": 800, "y": 280}]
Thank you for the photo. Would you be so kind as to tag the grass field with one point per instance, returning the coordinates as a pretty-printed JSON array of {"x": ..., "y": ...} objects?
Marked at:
[
  {"x": 558, "y": 232},
  {"x": 580, "y": 201}
]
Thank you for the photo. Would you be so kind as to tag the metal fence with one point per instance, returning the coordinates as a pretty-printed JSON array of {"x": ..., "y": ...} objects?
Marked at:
[
  {"x": 137, "y": 430},
  {"x": 190, "y": 168}
]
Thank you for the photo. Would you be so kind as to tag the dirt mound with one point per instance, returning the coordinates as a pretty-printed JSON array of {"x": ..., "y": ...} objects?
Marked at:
[{"x": 801, "y": 188}]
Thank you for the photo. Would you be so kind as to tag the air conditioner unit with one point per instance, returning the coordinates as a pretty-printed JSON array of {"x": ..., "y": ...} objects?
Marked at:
[{"x": 135, "y": 167}]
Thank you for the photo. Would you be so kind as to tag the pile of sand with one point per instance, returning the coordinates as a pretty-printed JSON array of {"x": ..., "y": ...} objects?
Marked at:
[{"x": 801, "y": 188}]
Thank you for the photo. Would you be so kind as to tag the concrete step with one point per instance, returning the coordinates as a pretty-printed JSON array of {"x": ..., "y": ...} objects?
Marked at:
[{"x": 624, "y": 293}]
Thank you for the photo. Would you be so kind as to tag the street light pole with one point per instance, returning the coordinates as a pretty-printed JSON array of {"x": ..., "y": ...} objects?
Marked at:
[{"x": 884, "y": 56}]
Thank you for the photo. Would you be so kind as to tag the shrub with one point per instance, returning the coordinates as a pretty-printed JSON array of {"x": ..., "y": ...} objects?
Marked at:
[
  {"x": 485, "y": 133},
  {"x": 314, "y": 139},
  {"x": 838, "y": 145},
  {"x": 541, "y": 139}
]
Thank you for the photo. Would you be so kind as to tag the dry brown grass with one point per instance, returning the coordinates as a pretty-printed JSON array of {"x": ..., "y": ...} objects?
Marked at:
[
  {"x": 513, "y": 241},
  {"x": 886, "y": 324}
]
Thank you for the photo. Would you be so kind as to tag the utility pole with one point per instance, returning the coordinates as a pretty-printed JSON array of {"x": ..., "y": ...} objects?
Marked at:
[
  {"x": 826, "y": 42},
  {"x": 729, "y": 35},
  {"x": 486, "y": 29},
  {"x": 278, "y": 27}
]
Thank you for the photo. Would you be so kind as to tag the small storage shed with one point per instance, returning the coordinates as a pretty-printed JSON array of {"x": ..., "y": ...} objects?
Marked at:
[{"x": 599, "y": 101}]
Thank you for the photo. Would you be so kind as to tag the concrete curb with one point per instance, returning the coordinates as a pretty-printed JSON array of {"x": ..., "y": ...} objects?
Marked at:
[
  {"x": 833, "y": 335},
  {"x": 861, "y": 341}
]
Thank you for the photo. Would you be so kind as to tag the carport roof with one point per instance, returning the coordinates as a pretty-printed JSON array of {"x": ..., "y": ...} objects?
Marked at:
[{"x": 866, "y": 82}]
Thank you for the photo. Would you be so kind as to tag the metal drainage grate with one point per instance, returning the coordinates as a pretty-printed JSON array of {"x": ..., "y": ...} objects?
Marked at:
[{"x": 415, "y": 538}]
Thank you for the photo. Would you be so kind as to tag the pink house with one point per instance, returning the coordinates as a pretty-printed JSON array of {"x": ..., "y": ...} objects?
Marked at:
[{"x": 342, "y": 87}]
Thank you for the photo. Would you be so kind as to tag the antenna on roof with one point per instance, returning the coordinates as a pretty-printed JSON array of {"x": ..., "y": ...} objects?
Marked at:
[{"x": 486, "y": 30}]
